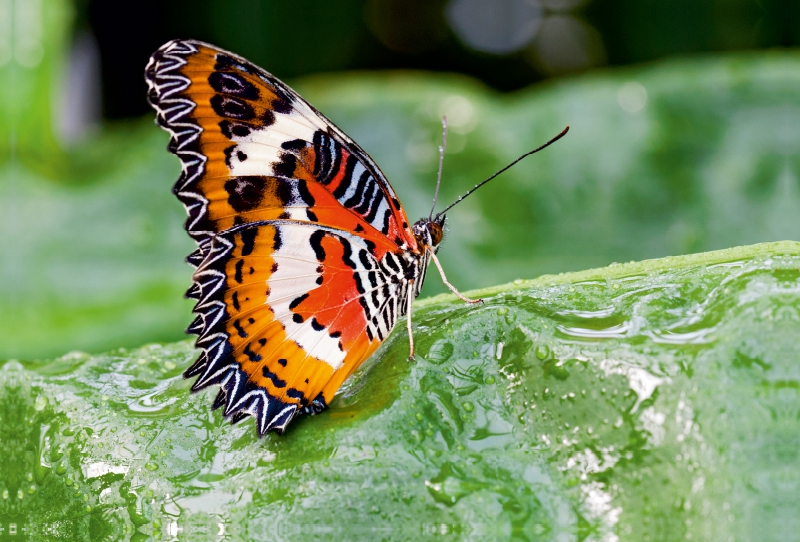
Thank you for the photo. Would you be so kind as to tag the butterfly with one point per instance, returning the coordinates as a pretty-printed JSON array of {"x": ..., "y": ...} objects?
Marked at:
[{"x": 305, "y": 258}]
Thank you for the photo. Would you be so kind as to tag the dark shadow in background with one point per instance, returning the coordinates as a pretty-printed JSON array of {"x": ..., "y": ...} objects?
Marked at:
[{"x": 301, "y": 37}]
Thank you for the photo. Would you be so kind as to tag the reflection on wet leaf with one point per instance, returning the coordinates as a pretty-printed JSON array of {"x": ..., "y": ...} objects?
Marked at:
[{"x": 508, "y": 428}]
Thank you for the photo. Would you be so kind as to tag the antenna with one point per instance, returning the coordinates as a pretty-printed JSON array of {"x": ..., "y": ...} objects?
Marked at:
[
  {"x": 534, "y": 151},
  {"x": 442, "y": 148}
]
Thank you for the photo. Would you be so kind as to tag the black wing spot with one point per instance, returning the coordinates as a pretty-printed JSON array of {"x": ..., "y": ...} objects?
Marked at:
[
  {"x": 319, "y": 280},
  {"x": 230, "y": 83},
  {"x": 241, "y": 156},
  {"x": 238, "y": 275},
  {"x": 316, "y": 326},
  {"x": 297, "y": 318},
  {"x": 277, "y": 241},
  {"x": 294, "y": 145},
  {"x": 282, "y": 106},
  {"x": 286, "y": 166},
  {"x": 245, "y": 193},
  {"x": 227, "y": 106},
  {"x": 296, "y": 301},
  {"x": 315, "y": 240},
  {"x": 251, "y": 320},
  {"x": 285, "y": 215},
  {"x": 273, "y": 269},
  {"x": 347, "y": 257},
  {"x": 239, "y": 329},
  {"x": 296, "y": 394},
  {"x": 311, "y": 216},
  {"x": 359, "y": 229},
  {"x": 225, "y": 62},
  {"x": 228, "y": 152},
  {"x": 277, "y": 382},
  {"x": 336, "y": 334},
  {"x": 252, "y": 356},
  {"x": 282, "y": 362},
  {"x": 305, "y": 195},
  {"x": 248, "y": 240},
  {"x": 262, "y": 341},
  {"x": 235, "y": 301},
  {"x": 234, "y": 129}
]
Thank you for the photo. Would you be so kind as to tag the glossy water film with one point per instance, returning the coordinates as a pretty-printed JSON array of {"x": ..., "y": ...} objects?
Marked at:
[{"x": 650, "y": 401}]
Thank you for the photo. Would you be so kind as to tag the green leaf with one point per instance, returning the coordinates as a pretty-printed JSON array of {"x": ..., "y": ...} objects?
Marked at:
[{"x": 656, "y": 399}]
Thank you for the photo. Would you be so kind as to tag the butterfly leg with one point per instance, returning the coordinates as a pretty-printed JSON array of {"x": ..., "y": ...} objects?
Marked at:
[
  {"x": 408, "y": 324},
  {"x": 446, "y": 283}
]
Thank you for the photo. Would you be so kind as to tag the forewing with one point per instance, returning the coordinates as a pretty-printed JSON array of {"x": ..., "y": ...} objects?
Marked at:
[
  {"x": 252, "y": 150},
  {"x": 286, "y": 311}
]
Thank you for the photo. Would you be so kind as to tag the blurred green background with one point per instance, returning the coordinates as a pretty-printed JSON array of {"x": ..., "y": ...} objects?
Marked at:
[{"x": 684, "y": 138}]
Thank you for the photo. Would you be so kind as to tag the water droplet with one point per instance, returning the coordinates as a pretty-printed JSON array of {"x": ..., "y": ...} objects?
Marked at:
[
  {"x": 490, "y": 379},
  {"x": 418, "y": 416},
  {"x": 40, "y": 402},
  {"x": 469, "y": 407},
  {"x": 615, "y": 286},
  {"x": 502, "y": 310},
  {"x": 542, "y": 351},
  {"x": 151, "y": 466},
  {"x": 169, "y": 365}
]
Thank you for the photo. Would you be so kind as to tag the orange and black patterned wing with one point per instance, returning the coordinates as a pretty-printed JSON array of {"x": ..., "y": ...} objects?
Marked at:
[
  {"x": 304, "y": 252},
  {"x": 252, "y": 149},
  {"x": 287, "y": 311}
]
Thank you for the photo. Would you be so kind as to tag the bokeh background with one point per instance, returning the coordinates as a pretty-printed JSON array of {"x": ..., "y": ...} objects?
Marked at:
[{"x": 684, "y": 138}]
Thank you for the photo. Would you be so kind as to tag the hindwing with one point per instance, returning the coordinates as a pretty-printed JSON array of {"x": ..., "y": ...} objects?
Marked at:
[{"x": 287, "y": 310}]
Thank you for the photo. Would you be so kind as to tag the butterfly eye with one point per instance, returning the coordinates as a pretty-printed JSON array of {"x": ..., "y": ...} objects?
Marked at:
[{"x": 436, "y": 233}]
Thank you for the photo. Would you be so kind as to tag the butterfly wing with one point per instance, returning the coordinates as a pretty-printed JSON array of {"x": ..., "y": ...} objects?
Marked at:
[
  {"x": 303, "y": 248},
  {"x": 287, "y": 311},
  {"x": 239, "y": 131}
]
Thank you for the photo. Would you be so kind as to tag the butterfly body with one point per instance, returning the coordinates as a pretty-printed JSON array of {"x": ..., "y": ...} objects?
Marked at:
[{"x": 305, "y": 258}]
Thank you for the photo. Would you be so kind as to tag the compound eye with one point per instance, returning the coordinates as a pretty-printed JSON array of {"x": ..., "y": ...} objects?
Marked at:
[{"x": 436, "y": 233}]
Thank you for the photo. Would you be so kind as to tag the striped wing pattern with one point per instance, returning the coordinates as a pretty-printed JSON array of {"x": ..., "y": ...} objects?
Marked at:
[{"x": 304, "y": 256}]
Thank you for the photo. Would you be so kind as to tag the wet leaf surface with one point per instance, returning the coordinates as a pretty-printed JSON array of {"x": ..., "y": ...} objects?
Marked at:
[{"x": 646, "y": 401}]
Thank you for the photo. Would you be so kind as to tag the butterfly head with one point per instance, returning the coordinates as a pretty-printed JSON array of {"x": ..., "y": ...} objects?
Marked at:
[{"x": 429, "y": 231}]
